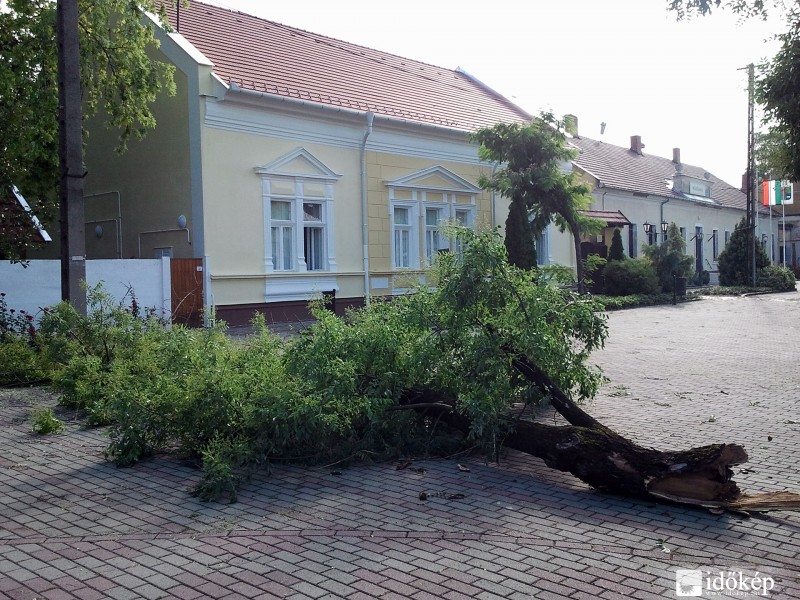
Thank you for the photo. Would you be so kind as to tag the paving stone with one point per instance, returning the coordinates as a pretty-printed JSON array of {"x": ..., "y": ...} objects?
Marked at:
[{"x": 74, "y": 526}]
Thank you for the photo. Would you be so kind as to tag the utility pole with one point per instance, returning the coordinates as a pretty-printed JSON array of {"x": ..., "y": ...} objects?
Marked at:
[
  {"x": 751, "y": 169},
  {"x": 70, "y": 150}
]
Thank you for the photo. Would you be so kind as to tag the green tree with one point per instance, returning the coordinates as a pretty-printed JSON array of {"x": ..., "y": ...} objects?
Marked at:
[
  {"x": 670, "y": 258},
  {"x": 118, "y": 76},
  {"x": 519, "y": 236},
  {"x": 532, "y": 176},
  {"x": 617, "y": 252},
  {"x": 746, "y": 8},
  {"x": 772, "y": 154},
  {"x": 778, "y": 91},
  {"x": 777, "y": 86},
  {"x": 734, "y": 260}
]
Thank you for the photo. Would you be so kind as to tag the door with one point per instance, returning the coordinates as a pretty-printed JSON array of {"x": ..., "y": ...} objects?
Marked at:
[{"x": 187, "y": 291}]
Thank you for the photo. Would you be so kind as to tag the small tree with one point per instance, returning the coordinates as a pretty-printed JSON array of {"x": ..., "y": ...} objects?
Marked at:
[
  {"x": 519, "y": 237},
  {"x": 617, "y": 252},
  {"x": 533, "y": 177},
  {"x": 734, "y": 260},
  {"x": 670, "y": 258}
]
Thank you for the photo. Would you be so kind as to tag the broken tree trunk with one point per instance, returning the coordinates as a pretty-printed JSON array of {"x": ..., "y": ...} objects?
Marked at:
[{"x": 611, "y": 463}]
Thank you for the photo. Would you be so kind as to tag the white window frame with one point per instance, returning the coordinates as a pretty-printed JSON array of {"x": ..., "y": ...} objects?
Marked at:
[
  {"x": 319, "y": 175},
  {"x": 408, "y": 228},
  {"x": 422, "y": 234}
]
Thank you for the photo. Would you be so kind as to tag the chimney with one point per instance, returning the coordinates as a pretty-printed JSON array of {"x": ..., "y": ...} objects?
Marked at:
[
  {"x": 571, "y": 125},
  {"x": 744, "y": 182},
  {"x": 676, "y": 156},
  {"x": 636, "y": 144}
]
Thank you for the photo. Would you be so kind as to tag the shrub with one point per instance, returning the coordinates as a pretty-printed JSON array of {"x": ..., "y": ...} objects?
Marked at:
[
  {"x": 627, "y": 277},
  {"x": 617, "y": 252},
  {"x": 670, "y": 258},
  {"x": 734, "y": 261},
  {"x": 776, "y": 277},
  {"x": 20, "y": 363}
]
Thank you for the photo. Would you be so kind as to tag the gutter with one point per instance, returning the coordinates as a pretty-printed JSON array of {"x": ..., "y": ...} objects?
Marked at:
[{"x": 364, "y": 216}]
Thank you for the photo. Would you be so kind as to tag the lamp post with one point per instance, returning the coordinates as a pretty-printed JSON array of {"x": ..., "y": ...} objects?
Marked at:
[
  {"x": 648, "y": 229},
  {"x": 664, "y": 229}
]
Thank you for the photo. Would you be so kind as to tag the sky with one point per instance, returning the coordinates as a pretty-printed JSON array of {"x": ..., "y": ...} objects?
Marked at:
[{"x": 626, "y": 63}]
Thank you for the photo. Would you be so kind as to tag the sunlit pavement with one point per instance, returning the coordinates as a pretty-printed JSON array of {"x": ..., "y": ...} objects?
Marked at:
[{"x": 721, "y": 370}]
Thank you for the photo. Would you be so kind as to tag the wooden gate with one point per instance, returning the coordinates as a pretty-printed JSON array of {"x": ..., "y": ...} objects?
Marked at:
[{"x": 187, "y": 291}]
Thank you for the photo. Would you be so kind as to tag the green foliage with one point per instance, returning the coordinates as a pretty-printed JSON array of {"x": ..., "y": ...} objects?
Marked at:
[
  {"x": 630, "y": 277},
  {"x": 778, "y": 278},
  {"x": 519, "y": 239},
  {"x": 670, "y": 258},
  {"x": 117, "y": 76},
  {"x": 335, "y": 393},
  {"x": 777, "y": 91},
  {"x": 686, "y": 9},
  {"x": 734, "y": 260},
  {"x": 20, "y": 361},
  {"x": 45, "y": 422},
  {"x": 617, "y": 252},
  {"x": 532, "y": 177},
  {"x": 637, "y": 300}
]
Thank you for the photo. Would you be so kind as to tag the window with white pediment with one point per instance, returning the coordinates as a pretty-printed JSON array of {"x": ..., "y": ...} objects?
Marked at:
[
  {"x": 420, "y": 204},
  {"x": 297, "y": 191}
]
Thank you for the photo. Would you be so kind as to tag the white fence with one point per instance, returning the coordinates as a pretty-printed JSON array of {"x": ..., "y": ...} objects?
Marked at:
[{"x": 39, "y": 284}]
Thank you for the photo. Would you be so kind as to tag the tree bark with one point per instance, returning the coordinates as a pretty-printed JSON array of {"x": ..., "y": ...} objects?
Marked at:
[{"x": 601, "y": 457}]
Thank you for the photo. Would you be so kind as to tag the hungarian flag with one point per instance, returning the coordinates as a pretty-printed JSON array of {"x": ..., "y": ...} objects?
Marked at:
[{"x": 776, "y": 192}]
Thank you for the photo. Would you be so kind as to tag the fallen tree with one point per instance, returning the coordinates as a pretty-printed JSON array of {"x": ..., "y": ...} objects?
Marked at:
[
  {"x": 482, "y": 347},
  {"x": 586, "y": 448}
]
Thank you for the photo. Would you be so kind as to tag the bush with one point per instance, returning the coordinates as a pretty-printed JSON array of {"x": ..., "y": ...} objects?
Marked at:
[
  {"x": 20, "y": 363},
  {"x": 734, "y": 261},
  {"x": 670, "y": 258},
  {"x": 778, "y": 278},
  {"x": 617, "y": 252},
  {"x": 627, "y": 277}
]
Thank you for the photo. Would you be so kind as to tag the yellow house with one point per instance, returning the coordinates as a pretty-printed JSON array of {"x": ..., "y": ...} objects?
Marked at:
[{"x": 292, "y": 164}]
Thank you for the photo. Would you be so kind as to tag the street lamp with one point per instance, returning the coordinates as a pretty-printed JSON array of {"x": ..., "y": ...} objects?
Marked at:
[
  {"x": 647, "y": 228},
  {"x": 664, "y": 228}
]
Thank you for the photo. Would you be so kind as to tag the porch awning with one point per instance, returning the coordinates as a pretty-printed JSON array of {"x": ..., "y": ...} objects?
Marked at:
[{"x": 614, "y": 218}]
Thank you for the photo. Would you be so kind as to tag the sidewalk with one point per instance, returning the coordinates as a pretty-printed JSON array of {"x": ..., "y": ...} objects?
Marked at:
[{"x": 720, "y": 370}]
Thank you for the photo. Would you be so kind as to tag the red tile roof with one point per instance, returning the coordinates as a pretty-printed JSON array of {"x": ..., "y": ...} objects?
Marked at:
[
  {"x": 611, "y": 217},
  {"x": 268, "y": 57},
  {"x": 622, "y": 169}
]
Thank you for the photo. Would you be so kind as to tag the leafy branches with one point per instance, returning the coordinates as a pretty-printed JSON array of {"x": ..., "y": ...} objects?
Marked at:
[
  {"x": 118, "y": 76},
  {"x": 341, "y": 389},
  {"x": 534, "y": 178}
]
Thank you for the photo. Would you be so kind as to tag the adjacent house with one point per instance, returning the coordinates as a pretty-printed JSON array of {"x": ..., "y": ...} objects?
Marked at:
[
  {"x": 638, "y": 193},
  {"x": 293, "y": 164}
]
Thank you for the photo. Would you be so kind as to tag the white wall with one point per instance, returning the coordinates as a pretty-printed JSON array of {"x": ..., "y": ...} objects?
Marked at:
[{"x": 39, "y": 284}]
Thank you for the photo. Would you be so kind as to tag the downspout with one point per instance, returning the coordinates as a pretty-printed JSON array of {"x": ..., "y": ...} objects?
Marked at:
[
  {"x": 494, "y": 197},
  {"x": 364, "y": 215},
  {"x": 661, "y": 217}
]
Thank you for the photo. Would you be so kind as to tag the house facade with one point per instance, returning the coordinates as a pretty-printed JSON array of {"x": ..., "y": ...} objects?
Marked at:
[
  {"x": 652, "y": 191},
  {"x": 294, "y": 165}
]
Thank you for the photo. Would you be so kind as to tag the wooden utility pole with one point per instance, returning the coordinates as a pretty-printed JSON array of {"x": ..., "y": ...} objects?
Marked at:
[
  {"x": 70, "y": 150},
  {"x": 751, "y": 170}
]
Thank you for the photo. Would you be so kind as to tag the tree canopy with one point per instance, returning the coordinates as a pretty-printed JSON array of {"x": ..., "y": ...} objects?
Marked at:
[
  {"x": 778, "y": 91},
  {"x": 746, "y": 8},
  {"x": 118, "y": 77},
  {"x": 533, "y": 177}
]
